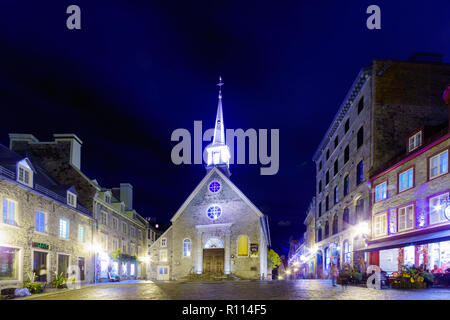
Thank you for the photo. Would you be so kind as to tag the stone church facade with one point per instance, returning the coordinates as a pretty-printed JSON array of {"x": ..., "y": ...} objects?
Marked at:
[{"x": 217, "y": 230}]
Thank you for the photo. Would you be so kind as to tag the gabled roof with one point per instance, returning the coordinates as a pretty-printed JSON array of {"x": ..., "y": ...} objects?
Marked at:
[{"x": 202, "y": 183}]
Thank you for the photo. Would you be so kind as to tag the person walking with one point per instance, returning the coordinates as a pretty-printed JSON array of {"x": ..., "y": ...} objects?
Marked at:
[{"x": 334, "y": 274}]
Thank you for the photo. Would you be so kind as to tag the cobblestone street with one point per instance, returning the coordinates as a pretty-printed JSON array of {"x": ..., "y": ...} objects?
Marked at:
[{"x": 240, "y": 290}]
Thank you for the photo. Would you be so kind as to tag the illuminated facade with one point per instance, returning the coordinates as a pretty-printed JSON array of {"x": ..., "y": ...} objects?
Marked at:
[
  {"x": 118, "y": 244},
  {"x": 217, "y": 230},
  {"x": 43, "y": 227},
  {"x": 367, "y": 132},
  {"x": 410, "y": 225}
]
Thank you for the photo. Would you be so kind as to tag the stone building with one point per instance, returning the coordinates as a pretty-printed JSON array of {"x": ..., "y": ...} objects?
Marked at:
[
  {"x": 117, "y": 224},
  {"x": 387, "y": 100},
  {"x": 217, "y": 230},
  {"x": 411, "y": 205},
  {"x": 121, "y": 234},
  {"x": 43, "y": 228}
]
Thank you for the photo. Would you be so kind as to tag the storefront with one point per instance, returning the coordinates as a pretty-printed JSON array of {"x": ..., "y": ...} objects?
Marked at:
[{"x": 431, "y": 251}]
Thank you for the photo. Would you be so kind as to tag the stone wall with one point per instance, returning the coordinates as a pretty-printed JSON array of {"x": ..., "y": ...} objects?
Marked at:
[
  {"x": 23, "y": 235},
  {"x": 407, "y": 97}
]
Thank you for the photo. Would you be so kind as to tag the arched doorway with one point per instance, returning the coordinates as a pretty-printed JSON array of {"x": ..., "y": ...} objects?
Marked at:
[{"x": 213, "y": 256}]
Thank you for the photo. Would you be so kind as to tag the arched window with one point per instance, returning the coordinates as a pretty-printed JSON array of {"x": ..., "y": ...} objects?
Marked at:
[
  {"x": 335, "y": 224},
  {"x": 186, "y": 247},
  {"x": 345, "y": 219},
  {"x": 327, "y": 230},
  {"x": 243, "y": 246},
  {"x": 347, "y": 252}
]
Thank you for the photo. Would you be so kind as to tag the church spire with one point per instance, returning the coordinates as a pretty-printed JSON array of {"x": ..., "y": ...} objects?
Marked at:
[
  {"x": 219, "y": 130},
  {"x": 218, "y": 152}
]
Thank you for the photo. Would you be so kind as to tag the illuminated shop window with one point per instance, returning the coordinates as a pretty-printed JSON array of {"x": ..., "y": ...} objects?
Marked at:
[
  {"x": 9, "y": 263},
  {"x": 437, "y": 208}
]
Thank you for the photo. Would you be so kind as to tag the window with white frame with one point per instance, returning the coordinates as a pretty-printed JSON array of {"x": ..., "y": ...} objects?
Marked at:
[
  {"x": 124, "y": 227},
  {"x": 24, "y": 173},
  {"x": 103, "y": 217},
  {"x": 115, "y": 244},
  {"x": 81, "y": 233},
  {"x": 406, "y": 218},
  {"x": 380, "y": 224},
  {"x": 439, "y": 164},
  {"x": 64, "y": 228},
  {"x": 406, "y": 179},
  {"x": 132, "y": 232},
  {"x": 40, "y": 221},
  {"x": 437, "y": 208},
  {"x": 415, "y": 141},
  {"x": 186, "y": 248},
  {"x": 381, "y": 191},
  {"x": 163, "y": 255},
  {"x": 163, "y": 242},
  {"x": 115, "y": 223},
  {"x": 71, "y": 199},
  {"x": 9, "y": 212}
]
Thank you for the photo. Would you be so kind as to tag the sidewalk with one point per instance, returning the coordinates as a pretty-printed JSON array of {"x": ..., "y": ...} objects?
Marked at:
[{"x": 53, "y": 291}]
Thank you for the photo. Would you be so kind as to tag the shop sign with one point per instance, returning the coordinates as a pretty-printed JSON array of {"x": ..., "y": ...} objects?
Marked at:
[
  {"x": 253, "y": 247},
  {"x": 41, "y": 245}
]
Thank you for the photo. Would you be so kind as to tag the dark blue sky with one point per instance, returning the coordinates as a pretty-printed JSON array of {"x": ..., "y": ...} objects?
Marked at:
[{"x": 137, "y": 70}]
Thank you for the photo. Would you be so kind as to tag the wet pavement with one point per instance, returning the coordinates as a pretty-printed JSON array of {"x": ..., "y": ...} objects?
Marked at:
[{"x": 239, "y": 290}]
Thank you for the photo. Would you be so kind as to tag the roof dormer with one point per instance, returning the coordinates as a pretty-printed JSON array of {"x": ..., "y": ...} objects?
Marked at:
[
  {"x": 415, "y": 140},
  {"x": 25, "y": 172},
  {"x": 72, "y": 197}
]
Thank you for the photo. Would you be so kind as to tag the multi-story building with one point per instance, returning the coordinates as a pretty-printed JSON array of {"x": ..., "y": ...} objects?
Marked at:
[
  {"x": 43, "y": 228},
  {"x": 117, "y": 224},
  {"x": 411, "y": 205},
  {"x": 387, "y": 100},
  {"x": 121, "y": 234}
]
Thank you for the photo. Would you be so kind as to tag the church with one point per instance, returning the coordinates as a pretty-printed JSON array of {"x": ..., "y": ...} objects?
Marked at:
[{"x": 217, "y": 230}]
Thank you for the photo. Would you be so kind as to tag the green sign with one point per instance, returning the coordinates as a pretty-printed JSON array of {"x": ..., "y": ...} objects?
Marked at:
[{"x": 41, "y": 245}]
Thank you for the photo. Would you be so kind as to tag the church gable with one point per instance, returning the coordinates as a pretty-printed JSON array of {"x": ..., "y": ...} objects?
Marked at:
[{"x": 214, "y": 199}]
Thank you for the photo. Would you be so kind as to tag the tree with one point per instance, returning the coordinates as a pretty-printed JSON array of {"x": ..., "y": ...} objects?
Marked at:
[{"x": 273, "y": 259}]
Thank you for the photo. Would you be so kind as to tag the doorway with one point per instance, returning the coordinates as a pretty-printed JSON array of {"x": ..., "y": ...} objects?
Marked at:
[{"x": 213, "y": 260}]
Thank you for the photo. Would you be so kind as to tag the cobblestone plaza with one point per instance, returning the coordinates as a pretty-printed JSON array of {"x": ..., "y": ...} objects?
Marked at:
[{"x": 240, "y": 290}]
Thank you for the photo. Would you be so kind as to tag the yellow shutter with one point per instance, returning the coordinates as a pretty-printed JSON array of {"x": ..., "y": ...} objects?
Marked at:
[{"x": 243, "y": 246}]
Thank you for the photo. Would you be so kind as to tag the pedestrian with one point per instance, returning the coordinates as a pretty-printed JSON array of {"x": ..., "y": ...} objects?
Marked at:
[{"x": 334, "y": 274}]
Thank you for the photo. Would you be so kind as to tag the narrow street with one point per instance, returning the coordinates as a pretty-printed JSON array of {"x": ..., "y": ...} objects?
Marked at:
[{"x": 241, "y": 290}]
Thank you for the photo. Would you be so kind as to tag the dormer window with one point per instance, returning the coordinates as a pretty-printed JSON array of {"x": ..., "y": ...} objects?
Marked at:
[
  {"x": 24, "y": 173},
  {"x": 415, "y": 141},
  {"x": 71, "y": 199},
  {"x": 108, "y": 198}
]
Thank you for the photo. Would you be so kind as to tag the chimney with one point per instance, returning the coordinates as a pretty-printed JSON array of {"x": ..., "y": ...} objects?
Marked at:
[
  {"x": 16, "y": 139},
  {"x": 75, "y": 147},
  {"x": 126, "y": 195},
  {"x": 446, "y": 97}
]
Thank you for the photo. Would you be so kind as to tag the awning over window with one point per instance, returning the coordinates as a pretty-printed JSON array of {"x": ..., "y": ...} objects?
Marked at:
[{"x": 438, "y": 236}]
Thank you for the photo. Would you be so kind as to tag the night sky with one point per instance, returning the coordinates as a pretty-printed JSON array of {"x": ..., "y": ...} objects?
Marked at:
[{"x": 138, "y": 70}]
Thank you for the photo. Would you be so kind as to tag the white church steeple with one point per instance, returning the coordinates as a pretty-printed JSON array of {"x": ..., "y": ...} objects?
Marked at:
[{"x": 218, "y": 152}]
